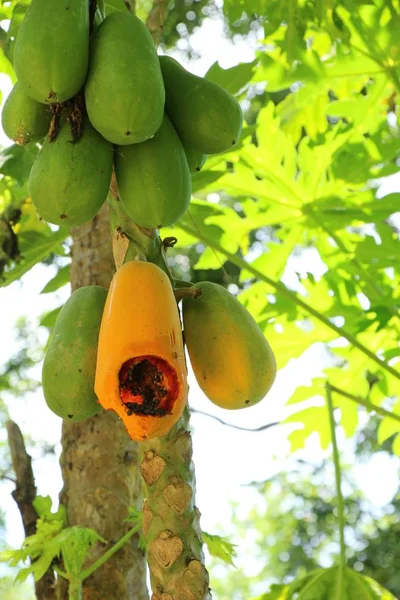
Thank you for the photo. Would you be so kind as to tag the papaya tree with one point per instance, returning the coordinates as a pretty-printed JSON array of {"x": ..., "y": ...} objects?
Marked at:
[{"x": 275, "y": 181}]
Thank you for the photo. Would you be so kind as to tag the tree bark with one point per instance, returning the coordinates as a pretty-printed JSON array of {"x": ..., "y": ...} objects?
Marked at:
[
  {"x": 24, "y": 495},
  {"x": 99, "y": 462}
]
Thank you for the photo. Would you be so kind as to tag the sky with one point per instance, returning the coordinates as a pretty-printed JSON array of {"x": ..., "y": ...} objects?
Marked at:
[{"x": 226, "y": 459}]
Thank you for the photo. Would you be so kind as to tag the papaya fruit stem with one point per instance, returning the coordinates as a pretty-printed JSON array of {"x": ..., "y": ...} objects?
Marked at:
[
  {"x": 188, "y": 292},
  {"x": 180, "y": 283},
  {"x": 131, "y": 240},
  {"x": 75, "y": 589},
  {"x": 120, "y": 244},
  {"x": 56, "y": 110}
]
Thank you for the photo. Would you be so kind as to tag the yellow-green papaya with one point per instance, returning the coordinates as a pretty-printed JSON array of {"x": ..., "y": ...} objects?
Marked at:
[
  {"x": 52, "y": 49},
  {"x": 69, "y": 181},
  {"x": 205, "y": 115},
  {"x": 69, "y": 366},
  {"x": 153, "y": 179},
  {"x": 124, "y": 90},
  {"x": 23, "y": 119},
  {"x": 231, "y": 359},
  {"x": 195, "y": 159}
]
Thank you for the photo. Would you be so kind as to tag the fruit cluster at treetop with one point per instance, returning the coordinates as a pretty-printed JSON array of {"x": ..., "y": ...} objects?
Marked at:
[
  {"x": 106, "y": 97},
  {"x": 106, "y": 100}
]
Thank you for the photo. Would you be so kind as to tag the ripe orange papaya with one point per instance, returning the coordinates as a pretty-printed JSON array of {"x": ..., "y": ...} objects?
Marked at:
[
  {"x": 69, "y": 180},
  {"x": 70, "y": 362},
  {"x": 231, "y": 359},
  {"x": 205, "y": 115},
  {"x": 141, "y": 371},
  {"x": 124, "y": 90},
  {"x": 153, "y": 179},
  {"x": 23, "y": 119},
  {"x": 52, "y": 49}
]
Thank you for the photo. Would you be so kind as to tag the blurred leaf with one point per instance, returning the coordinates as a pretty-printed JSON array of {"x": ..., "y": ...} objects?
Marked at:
[
  {"x": 35, "y": 247},
  {"x": 220, "y": 547},
  {"x": 49, "y": 319},
  {"x": 16, "y": 161},
  {"x": 234, "y": 79},
  {"x": 331, "y": 584},
  {"x": 204, "y": 179},
  {"x": 61, "y": 278},
  {"x": 76, "y": 543}
]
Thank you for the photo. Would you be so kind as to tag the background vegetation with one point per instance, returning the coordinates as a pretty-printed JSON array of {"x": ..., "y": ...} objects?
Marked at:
[{"x": 301, "y": 220}]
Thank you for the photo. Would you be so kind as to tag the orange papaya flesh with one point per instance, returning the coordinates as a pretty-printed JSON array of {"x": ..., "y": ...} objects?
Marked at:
[{"x": 148, "y": 386}]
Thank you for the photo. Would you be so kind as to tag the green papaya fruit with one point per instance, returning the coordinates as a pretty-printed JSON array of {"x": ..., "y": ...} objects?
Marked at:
[
  {"x": 195, "y": 159},
  {"x": 69, "y": 181},
  {"x": 231, "y": 359},
  {"x": 205, "y": 115},
  {"x": 98, "y": 19},
  {"x": 69, "y": 366},
  {"x": 23, "y": 119},
  {"x": 124, "y": 90},
  {"x": 52, "y": 49},
  {"x": 153, "y": 179}
]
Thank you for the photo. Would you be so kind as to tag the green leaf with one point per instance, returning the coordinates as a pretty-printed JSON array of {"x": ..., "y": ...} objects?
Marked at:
[
  {"x": 310, "y": 420},
  {"x": 204, "y": 179},
  {"x": 49, "y": 319},
  {"x": 43, "y": 506},
  {"x": 233, "y": 80},
  {"x": 76, "y": 543},
  {"x": 274, "y": 260},
  {"x": 220, "y": 548},
  {"x": 114, "y": 5},
  {"x": 275, "y": 593},
  {"x": 35, "y": 247},
  {"x": 16, "y": 161},
  {"x": 388, "y": 426},
  {"x": 330, "y": 584},
  {"x": 51, "y": 539},
  {"x": 59, "y": 280}
]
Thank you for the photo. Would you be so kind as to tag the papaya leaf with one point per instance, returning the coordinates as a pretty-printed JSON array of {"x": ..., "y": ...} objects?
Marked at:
[
  {"x": 275, "y": 593},
  {"x": 204, "y": 179},
  {"x": 61, "y": 278},
  {"x": 52, "y": 539},
  {"x": 35, "y": 247},
  {"x": 16, "y": 161},
  {"x": 43, "y": 506},
  {"x": 48, "y": 319},
  {"x": 330, "y": 584},
  {"x": 75, "y": 544},
  {"x": 220, "y": 548},
  {"x": 389, "y": 427},
  {"x": 233, "y": 80}
]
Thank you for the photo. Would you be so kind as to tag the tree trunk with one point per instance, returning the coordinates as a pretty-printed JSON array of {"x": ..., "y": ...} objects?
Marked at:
[{"x": 99, "y": 462}]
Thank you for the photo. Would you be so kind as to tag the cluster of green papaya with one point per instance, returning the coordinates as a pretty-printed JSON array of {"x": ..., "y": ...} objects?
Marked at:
[{"x": 107, "y": 98}]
